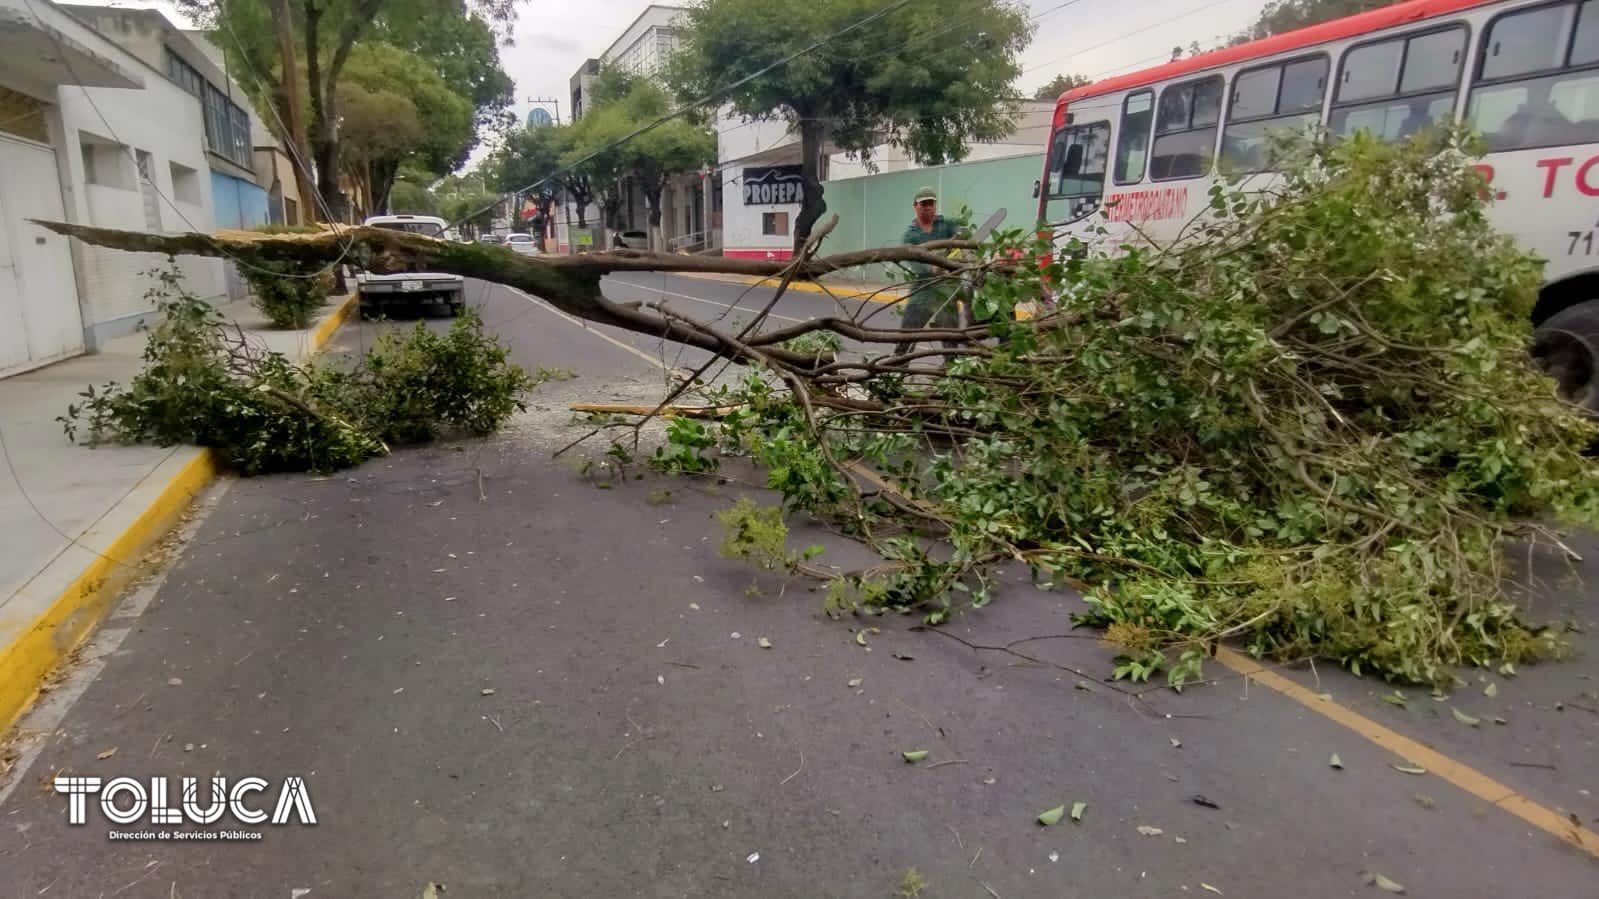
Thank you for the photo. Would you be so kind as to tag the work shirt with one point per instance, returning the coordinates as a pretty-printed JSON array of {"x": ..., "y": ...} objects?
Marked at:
[{"x": 942, "y": 229}]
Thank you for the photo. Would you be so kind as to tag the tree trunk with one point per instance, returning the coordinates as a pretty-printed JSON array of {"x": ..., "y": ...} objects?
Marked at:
[
  {"x": 653, "y": 186},
  {"x": 380, "y": 183},
  {"x": 324, "y": 142},
  {"x": 293, "y": 115},
  {"x": 812, "y": 205}
]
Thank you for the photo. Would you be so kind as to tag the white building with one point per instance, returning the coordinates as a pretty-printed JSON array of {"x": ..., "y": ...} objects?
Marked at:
[
  {"x": 88, "y": 134},
  {"x": 687, "y": 213},
  {"x": 758, "y": 163}
]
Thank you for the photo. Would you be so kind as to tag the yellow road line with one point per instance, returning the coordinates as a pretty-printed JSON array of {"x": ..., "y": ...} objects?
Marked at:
[{"x": 1463, "y": 776}]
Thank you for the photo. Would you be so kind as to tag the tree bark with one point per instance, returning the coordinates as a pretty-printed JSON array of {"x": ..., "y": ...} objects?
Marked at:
[
  {"x": 570, "y": 283},
  {"x": 653, "y": 186},
  {"x": 812, "y": 205}
]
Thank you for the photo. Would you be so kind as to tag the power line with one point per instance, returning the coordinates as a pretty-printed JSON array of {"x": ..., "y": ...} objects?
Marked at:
[
  {"x": 1134, "y": 33},
  {"x": 690, "y": 107},
  {"x": 65, "y": 59}
]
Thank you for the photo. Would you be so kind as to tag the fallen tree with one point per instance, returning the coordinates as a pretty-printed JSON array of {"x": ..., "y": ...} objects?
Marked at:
[{"x": 1310, "y": 425}]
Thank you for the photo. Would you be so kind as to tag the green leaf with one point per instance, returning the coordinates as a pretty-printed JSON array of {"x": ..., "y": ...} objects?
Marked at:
[
  {"x": 860, "y": 637},
  {"x": 1491, "y": 690},
  {"x": 1464, "y": 718},
  {"x": 1409, "y": 769},
  {"x": 763, "y": 643},
  {"x": 915, "y": 755},
  {"x": 432, "y": 890},
  {"x": 1077, "y": 811},
  {"x": 1395, "y": 698},
  {"x": 1052, "y": 816},
  {"x": 1335, "y": 762}
]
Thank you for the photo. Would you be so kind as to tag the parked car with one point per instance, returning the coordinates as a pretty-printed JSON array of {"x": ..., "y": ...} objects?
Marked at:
[
  {"x": 631, "y": 240},
  {"x": 523, "y": 244},
  {"x": 492, "y": 240},
  {"x": 374, "y": 292}
]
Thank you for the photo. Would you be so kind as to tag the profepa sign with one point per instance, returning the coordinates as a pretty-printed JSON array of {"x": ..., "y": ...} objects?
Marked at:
[
  {"x": 125, "y": 800},
  {"x": 773, "y": 185}
]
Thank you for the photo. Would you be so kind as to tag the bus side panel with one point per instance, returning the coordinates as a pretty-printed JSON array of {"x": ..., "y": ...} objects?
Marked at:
[{"x": 1549, "y": 200}]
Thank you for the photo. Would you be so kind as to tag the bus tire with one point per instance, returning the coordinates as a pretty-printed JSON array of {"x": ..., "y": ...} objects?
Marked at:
[{"x": 1566, "y": 347}]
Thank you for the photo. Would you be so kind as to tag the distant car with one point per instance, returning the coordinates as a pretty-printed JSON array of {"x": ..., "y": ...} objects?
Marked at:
[
  {"x": 632, "y": 240},
  {"x": 373, "y": 291},
  {"x": 523, "y": 244},
  {"x": 492, "y": 240}
]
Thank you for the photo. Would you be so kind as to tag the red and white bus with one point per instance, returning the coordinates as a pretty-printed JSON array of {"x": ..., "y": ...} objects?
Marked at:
[{"x": 1146, "y": 147}]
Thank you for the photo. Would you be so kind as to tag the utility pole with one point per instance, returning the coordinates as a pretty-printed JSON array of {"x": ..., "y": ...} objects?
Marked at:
[{"x": 293, "y": 115}]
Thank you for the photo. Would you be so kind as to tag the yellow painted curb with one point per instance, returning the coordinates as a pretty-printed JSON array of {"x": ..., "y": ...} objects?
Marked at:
[
  {"x": 889, "y": 295},
  {"x": 47, "y": 641},
  {"x": 1469, "y": 779},
  {"x": 52, "y": 636}
]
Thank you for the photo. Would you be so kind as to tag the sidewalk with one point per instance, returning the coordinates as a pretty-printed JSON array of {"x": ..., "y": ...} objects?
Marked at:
[{"x": 78, "y": 520}]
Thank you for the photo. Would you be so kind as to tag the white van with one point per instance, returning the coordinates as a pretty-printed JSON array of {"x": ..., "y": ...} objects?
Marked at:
[{"x": 375, "y": 291}]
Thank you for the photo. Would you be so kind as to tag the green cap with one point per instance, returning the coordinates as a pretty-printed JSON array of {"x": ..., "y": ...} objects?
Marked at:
[{"x": 925, "y": 194}]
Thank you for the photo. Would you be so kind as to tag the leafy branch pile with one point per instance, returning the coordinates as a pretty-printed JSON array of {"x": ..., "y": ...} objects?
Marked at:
[
  {"x": 1309, "y": 425},
  {"x": 289, "y": 293},
  {"x": 204, "y": 384}
]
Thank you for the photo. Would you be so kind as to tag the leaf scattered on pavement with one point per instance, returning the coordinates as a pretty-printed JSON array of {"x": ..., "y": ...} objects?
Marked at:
[
  {"x": 1176, "y": 743},
  {"x": 1335, "y": 762},
  {"x": 107, "y": 754},
  {"x": 860, "y": 637},
  {"x": 753, "y": 857},
  {"x": 1423, "y": 800},
  {"x": 432, "y": 890},
  {"x": 1395, "y": 698},
  {"x": 853, "y": 682},
  {"x": 1148, "y": 831},
  {"x": 914, "y": 755},
  {"x": 1410, "y": 769},
  {"x": 1082, "y": 685},
  {"x": 1210, "y": 889},
  {"x": 488, "y": 691},
  {"x": 1383, "y": 883},
  {"x": 1500, "y": 721},
  {"x": 1491, "y": 690},
  {"x": 763, "y": 643},
  {"x": 1052, "y": 816},
  {"x": 1077, "y": 811},
  {"x": 695, "y": 606},
  {"x": 660, "y": 679},
  {"x": 1464, "y": 718},
  {"x": 174, "y": 681}
]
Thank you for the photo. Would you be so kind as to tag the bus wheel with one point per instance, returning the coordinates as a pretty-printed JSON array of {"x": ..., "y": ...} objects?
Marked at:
[{"x": 1566, "y": 347}]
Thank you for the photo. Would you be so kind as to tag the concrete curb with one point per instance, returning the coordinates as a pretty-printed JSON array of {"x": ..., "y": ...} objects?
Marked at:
[
  {"x": 888, "y": 294},
  {"x": 45, "y": 620}
]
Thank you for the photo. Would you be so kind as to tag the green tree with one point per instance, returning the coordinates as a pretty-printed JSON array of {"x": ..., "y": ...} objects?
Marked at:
[
  {"x": 906, "y": 75},
  {"x": 533, "y": 155},
  {"x": 466, "y": 199},
  {"x": 463, "y": 49},
  {"x": 1060, "y": 85},
  {"x": 409, "y": 196},
  {"x": 679, "y": 145},
  {"x": 1287, "y": 15},
  {"x": 442, "y": 134},
  {"x": 293, "y": 49}
]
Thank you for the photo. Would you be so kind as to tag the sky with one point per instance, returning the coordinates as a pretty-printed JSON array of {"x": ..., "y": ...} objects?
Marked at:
[{"x": 1090, "y": 37}]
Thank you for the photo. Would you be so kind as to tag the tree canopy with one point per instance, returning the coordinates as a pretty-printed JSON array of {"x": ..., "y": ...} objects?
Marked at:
[
  {"x": 906, "y": 78},
  {"x": 1279, "y": 16},
  {"x": 1060, "y": 84}
]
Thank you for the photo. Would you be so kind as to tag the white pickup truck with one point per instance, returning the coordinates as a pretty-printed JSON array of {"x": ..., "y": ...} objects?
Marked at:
[{"x": 376, "y": 291}]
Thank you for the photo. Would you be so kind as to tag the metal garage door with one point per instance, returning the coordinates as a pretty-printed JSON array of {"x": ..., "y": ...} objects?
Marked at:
[{"x": 39, "y": 317}]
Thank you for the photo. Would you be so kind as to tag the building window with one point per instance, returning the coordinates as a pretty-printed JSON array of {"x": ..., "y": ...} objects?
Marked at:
[
  {"x": 1397, "y": 87},
  {"x": 227, "y": 127},
  {"x": 1185, "y": 129},
  {"x": 1132, "y": 147},
  {"x": 1268, "y": 102},
  {"x": 23, "y": 116},
  {"x": 106, "y": 163},
  {"x": 1077, "y": 171},
  {"x": 185, "y": 184},
  {"x": 1538, "y": 79},
  {"x": 774, "y": 224},
  {"x": 184, "y": 75}
]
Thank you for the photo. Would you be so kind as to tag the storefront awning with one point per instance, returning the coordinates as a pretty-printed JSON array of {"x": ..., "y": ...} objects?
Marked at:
[{"x": 33, "y": 49}]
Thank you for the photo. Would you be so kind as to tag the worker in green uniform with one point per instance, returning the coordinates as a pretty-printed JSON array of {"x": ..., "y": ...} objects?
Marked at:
[{"x": 931, "y": 302}]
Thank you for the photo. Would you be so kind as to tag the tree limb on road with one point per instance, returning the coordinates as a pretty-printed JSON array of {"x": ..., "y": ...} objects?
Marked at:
[{"x": 569, "y": 283}]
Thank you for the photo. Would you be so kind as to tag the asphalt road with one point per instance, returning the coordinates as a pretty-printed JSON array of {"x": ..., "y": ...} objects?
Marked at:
[{"x": 496, "y": 675}]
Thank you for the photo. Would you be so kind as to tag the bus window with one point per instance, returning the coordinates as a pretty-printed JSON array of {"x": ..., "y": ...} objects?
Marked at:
[
  {"x": 1077, "y": 171},
  {"x": 1185, "y": 129},
  {"x": 1399, "y": 86},
  {"x": 1268, "y": 101},
  {"x": 1133, "y": 145},
  {"x": 1525, "y": 97}
]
